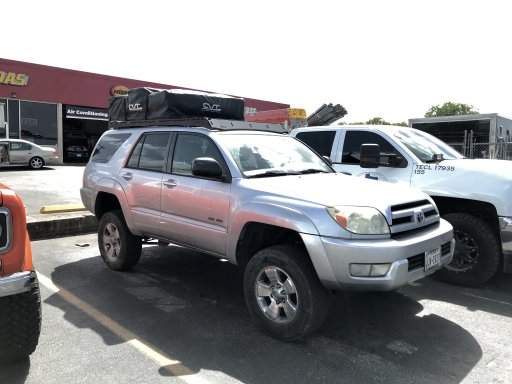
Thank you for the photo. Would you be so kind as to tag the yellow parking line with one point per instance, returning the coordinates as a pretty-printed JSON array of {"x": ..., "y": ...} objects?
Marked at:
[{"x": 171, "y": 365}]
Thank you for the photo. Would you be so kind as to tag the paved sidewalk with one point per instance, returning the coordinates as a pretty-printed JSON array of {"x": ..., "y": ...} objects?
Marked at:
[{"x": 50, "y": 187}]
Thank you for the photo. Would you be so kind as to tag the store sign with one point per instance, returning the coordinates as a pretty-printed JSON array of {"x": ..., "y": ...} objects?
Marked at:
[
  {"x": 74, "y": 112},
  {"x": 12, "y": 78},
  {"x": 119, "y": 90}
]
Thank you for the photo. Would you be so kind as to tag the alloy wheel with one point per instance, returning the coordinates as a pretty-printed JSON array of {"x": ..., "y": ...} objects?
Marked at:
[{"x": 276, "y": 294}]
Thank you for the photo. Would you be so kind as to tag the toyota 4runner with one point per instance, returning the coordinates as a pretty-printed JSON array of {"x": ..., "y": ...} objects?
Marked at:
[{"x": 262, "y": 200}]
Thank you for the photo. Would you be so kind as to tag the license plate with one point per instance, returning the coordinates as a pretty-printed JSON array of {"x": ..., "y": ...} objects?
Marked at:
[
  {"x": 432, "y": 258},
  {"x": 78, "y": 155}
]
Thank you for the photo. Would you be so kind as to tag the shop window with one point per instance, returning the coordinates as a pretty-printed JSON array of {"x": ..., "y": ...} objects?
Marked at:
[
  {"x": 13, "y": 114},
  {"x": 3, "y": 131},
  {"x": 38, "y": 122}
]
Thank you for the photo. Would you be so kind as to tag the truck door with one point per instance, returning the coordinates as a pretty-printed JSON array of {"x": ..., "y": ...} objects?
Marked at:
[
  {"x": 195, "y": 210},
  {"x": 141, "y": 180},
  {"x": 397, "y": 167}
]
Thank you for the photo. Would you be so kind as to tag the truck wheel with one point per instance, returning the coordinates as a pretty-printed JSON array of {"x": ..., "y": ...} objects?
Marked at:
[
  {"x": 119, "y": 248},
  {"x": 20, "y": 324},
  {"x": 477, "y": 251},
  {"x": 283, "y": 293},
  {"x": 36, "y": 163}
]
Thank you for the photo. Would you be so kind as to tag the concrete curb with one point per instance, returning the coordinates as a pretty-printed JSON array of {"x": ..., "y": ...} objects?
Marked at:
[{"x": 42, "y": 227}]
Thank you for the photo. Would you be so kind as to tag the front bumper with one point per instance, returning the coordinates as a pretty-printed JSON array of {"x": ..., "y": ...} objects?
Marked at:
[
  {"x": 17, "y": 283},
  {"x": 332, "y": 258}
]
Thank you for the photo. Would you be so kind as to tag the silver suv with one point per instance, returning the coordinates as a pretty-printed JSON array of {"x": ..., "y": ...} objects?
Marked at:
[{"x": 266, "y": 202}]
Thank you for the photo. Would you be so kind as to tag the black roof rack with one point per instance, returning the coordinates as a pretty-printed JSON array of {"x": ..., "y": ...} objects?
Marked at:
[{"x": 205, "y": 122}]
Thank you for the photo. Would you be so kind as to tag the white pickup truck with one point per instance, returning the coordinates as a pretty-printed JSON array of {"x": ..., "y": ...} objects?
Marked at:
[{"x": 474, "y": 195}]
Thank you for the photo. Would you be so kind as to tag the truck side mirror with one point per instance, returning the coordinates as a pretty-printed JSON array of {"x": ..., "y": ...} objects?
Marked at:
[
  {"x": 328, "y": 160},
  {"x": 370, "y": 156},
  {"x": 206, "y": 167}
]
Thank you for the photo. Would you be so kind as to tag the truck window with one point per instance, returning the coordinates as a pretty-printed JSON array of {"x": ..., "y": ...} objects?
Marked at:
[
  {"x": 354, "y": 140},
  {"x": 189, "y": 147},
  {"x": 150, "y": 152},
  {"x": 320, "y": 141}
]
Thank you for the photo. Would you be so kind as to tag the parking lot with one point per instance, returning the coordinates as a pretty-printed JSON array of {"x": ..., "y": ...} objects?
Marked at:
[{"x": 180, "y": 316}]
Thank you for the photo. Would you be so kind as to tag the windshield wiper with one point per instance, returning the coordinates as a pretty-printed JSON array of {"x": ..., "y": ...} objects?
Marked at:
[
  {"x": 272, "y": 173},
  {"x": 312, "y": 170}
]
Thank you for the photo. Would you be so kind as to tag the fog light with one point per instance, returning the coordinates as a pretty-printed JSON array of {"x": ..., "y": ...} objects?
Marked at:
[
  {"x": 380, "y": 269},
  {"x": 360, "y": 270},
  {"x": 369, "y": 270}
]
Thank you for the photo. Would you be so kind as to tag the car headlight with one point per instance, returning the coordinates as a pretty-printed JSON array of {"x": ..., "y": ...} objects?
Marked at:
[{"x": 360, "y": 220}]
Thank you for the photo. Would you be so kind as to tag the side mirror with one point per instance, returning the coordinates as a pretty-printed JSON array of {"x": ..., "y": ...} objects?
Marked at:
[
  {"x": 328, "y": 160},
  {"x": 206, "y": 167},
  {"x": 370, "y": 156}
]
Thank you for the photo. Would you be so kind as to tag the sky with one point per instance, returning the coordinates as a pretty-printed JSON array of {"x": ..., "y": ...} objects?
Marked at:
[{"x": 392, "y": 59}]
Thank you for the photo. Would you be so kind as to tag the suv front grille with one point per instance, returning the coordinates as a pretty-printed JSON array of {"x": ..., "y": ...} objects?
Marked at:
[
  {"x": 5, "y": 229},
  {"x": 412, "y": 217}
]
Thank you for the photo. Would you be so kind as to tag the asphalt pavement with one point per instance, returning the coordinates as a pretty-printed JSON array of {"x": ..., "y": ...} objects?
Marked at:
[
  {"x": 56, "y": 189},
  {"x": 179, "y": 316}
]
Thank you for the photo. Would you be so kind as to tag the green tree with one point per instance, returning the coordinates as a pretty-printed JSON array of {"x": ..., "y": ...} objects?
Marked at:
[
  {"x": 451, "y": 109},
  {"x": 377, "y": 121},
  {"x": 374, "y": 121}
]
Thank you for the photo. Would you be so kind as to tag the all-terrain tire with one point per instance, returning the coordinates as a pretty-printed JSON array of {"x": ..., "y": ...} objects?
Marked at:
[
  {"x": 283, "y": 293},
  {"x": 119, "y": 248},
  {"x": 477, "y": 254},
  {"x": 20, "y": 324}
]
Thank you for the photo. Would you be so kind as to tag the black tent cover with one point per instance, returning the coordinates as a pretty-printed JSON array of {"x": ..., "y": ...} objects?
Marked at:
[{"x": 155, "y": 104}]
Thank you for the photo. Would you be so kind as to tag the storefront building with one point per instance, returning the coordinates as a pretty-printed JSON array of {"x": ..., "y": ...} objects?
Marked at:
[{"x": 68, "y": 109}]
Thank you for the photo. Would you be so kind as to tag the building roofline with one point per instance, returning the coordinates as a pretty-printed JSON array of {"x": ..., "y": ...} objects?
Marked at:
[{"x": 437, "y": 119}]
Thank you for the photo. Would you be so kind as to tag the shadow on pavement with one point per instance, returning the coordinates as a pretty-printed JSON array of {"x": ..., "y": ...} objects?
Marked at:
[
  {"x": 495, "y": 296},
  {"x": 191, "y": 307}
]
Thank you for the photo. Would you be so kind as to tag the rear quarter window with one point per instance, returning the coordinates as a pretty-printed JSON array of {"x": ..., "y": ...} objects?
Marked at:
[{"x": 108, "y": 146}]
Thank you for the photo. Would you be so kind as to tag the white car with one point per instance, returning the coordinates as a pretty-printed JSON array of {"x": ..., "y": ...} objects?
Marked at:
[{"x": 22, "y": 152}]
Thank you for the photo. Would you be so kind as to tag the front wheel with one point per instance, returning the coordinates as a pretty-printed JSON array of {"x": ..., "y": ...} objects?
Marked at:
[
  {"x": 119, "y": 248},
  {"x": 36, "y": 163},
  {"x": 477, "y": 253},
  {"x": 20, "y": 323},
  {"x": 283, "y": 293}
]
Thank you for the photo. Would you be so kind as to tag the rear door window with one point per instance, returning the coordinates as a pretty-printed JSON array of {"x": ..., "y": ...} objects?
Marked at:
[
  {"x": 108, "y": 146},
  {"x": 320, "y": 141},
  {"x": 150, "y": 153}
]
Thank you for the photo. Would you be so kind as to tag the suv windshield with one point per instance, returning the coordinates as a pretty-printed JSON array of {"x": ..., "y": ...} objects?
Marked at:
[
  {"x": 273, "y": 155},
  {"x": 426, "y": 147}
]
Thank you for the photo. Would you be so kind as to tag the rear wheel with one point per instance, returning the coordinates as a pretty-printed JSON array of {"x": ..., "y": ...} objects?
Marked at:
[
  {"x": 119, "y": 248},
  {"x": 477, "y": 253},
  {"x": 36, "y": 163},
  {"x": 20, "y": 324},
  {"x": 283, "y": 293}
]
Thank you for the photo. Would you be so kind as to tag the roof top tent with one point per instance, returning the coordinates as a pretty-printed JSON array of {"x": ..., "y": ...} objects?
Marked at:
[{"x": 475, "y": 136}]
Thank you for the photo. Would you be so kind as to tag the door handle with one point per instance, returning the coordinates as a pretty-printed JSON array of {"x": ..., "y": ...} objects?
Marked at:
[
  {"x": 127, "y": 176},
  {"x": 171, "y": 183}
]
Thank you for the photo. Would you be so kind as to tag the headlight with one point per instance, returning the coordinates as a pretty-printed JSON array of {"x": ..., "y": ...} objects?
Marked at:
[{"x": 360, "y": 220}]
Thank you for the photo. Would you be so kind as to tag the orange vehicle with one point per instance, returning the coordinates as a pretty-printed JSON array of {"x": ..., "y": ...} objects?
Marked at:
[{"x": 20, "y": 300}]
